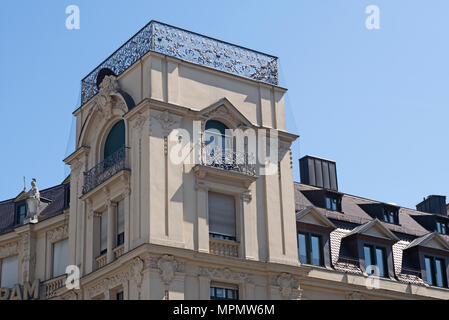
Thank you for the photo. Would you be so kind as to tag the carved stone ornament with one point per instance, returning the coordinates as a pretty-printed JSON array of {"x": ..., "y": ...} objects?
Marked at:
[
  {"x": 133, "y": 273},
  {"x": 288, "y": 286},
  {"x": 107, "y": 98},
  {"x": 222, "y": 112},
  {"x": 136, "y": 271},
  {"x": 140, "y": 121},
  {"x": 225, "y": 274},
  {"x": 9, "y": 249},
  {"x": 167, "y": 266},
  {"x": 58, "y": 234},
  {"x": 166, "y": 121}
]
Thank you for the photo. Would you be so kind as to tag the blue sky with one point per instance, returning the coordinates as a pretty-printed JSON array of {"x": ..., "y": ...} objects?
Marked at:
[{"x": 375, "y": 101}]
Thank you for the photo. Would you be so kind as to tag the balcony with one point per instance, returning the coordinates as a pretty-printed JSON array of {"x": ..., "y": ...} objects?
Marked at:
[
  {"x": 101, "y": 261},
  {"x": 226, "y": 248},
  {"x": 112, "y": 165},
  {"x": 51, "y": 286},
  {"x": 119, "y": 251},
  {"x": 229, "y": 160}
]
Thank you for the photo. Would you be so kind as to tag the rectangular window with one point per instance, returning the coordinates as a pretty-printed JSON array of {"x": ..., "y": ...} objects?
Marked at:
[
  {"x": 9, "y": 272},
  {"x": 333, "y": 203},
  {"x": 302, "y": 247},
  {"x": 436, "y": 275},
  {"x": 441, "y": 227},
  {"x": 375, "y": 261},
  {"x": 21, "y": 213},
  {"x": 390, "y": 216},
  {"x": 223, "y": 292},
  {"x": 119, "y": 295},
  {"x": 120, "y": 223},
  {"x": 103, "y": 234},
  {"x": 60, "y": 257},
  {"x": 310, "y": 250},
  {"x": 222, "y": 218}
]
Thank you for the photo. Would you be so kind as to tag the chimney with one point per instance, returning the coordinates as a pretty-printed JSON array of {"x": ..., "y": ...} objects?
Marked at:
[
  {"x": 318, "y": 172},
  {"x": 433, "y": 204}
]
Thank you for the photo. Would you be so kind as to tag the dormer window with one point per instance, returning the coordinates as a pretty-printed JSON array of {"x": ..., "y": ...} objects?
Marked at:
[
  {"x": 21, "y": 213},
  {"x": 375, "y": 260},
  {"x": 333, "y": 202},
  {"x": 435, "y": 271},
  {"x": 441, "y": 227},
  {"x": 390, "y": 215}
]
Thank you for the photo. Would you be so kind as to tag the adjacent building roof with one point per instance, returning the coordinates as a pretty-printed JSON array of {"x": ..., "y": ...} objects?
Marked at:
[{"x": 58, "y": 197}]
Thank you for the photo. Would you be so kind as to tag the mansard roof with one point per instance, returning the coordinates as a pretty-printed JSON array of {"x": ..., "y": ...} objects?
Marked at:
[
  {"x": 58, "y": 196},
  {"x": 354, "y": 215}
]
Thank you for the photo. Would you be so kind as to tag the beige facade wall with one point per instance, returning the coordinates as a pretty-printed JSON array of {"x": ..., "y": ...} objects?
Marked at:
[{"x": 167, "y": 252}]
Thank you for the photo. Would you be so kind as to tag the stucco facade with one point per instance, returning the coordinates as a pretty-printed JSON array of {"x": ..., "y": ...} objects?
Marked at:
[{"x": 167, "y": 251}]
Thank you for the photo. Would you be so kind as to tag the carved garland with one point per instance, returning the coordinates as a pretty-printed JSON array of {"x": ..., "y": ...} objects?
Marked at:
[
  {"x": 288, "y": 286},
  {"x": 58, "y": 234},
  {"x": 226, "y": 274},
  {"x": 167, "y": 266},
  {"x": 133, "y": 273},
  {"x": 9, "y": 249}
]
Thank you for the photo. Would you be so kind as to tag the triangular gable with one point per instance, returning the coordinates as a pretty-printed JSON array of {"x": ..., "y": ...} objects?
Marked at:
[
  {"x": 374, "y": 228},
  {"x": 224, "y": 110},
  {"x": 431, "y": 240},
  {"x": 311, "y": 215}
]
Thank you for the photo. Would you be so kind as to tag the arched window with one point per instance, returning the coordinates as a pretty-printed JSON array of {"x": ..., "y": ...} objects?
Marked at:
[
  {"x": 218, "y": 144},
  {"x": 115, "y": 140},
  {"x": 216, "y": 133}
]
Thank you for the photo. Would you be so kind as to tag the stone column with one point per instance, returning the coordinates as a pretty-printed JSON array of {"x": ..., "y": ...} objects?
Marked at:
[{"x": 112, "y": 209}]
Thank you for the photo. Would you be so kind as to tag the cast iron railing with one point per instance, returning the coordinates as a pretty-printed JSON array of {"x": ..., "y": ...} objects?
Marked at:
[
  {"x": 188, "y": 46},
  {"x": 230, "y": 160},
  {"x": 113, "y": 164}
]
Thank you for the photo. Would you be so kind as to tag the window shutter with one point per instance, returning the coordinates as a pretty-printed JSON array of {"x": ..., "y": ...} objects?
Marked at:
[
  {"x": 221, "y": 214},
  {"x": 60, "y": 257},
  {"x": 121, "y": 217},
  {"x": 104, "y": 232},
  {"x": 10, "y": 272}
]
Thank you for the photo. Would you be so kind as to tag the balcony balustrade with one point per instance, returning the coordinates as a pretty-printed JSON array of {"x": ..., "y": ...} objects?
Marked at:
[
  {"x": 226, "y": 248},
  {"x": 101, "y": 261},
  {"x": 115, "y": 163},
  {"x": 229, "y": 160},
  {"x": 51, "y": 286}
]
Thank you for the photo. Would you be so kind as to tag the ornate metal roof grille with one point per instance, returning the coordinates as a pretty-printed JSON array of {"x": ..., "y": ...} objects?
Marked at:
[{"x": 189, "y": 46}]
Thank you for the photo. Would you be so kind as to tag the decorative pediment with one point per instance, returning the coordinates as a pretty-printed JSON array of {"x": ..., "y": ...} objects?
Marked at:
[
  {"x": 311, "y": 215},
  {"x": 375, "y": 229},
  {"x": 223, "y": 110},
  {"x": 431, "y": 240}
]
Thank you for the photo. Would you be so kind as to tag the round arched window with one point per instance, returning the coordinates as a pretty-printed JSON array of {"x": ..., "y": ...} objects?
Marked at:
[{"x": 115, "y": 140}]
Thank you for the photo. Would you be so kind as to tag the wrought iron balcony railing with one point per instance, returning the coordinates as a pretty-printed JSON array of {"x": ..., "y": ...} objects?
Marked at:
[
  {"x": 225, "y": 159},
  {"x": 115, "y": 163},
  {"x": 188, "y": 46}
]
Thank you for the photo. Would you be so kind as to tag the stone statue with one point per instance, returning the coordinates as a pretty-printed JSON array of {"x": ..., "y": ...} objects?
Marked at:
[{"x": 33, "y": 203}]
